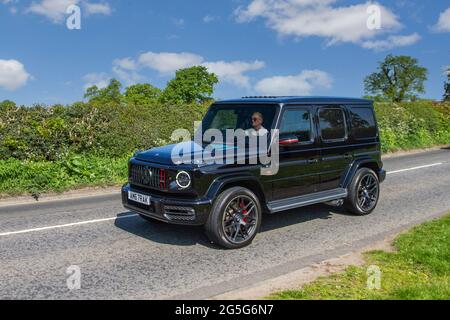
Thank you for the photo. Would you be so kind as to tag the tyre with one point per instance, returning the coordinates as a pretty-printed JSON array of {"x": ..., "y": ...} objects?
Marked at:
[
  {"x": 363, "y": 192},
  {"x": 235, "y": 218}
]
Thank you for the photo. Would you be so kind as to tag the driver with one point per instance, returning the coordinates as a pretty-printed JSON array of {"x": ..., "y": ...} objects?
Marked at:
[{"x": 257, "y": 124}]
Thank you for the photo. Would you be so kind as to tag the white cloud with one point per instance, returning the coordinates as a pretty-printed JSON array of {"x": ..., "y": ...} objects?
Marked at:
[
  {"x": 443, "y": 24},
  {"x": 97, "y": 8},
  {"x": 101, "y": 80},
  {"x": 55, "y": 10},
  {"x": 126, "y": 63},
  {"x": 126, "y": 70},
  {"x": 208, "y": 18},
  {"x": 167, "y": 62},
  {"x": 12, "y": 74},
  {"x": 234, "y": 72},
  {"x": 301, "y": 84},
  {"x": 392, "y": 42},
  {"x": 11, "y": 3},
  {"x": 304, "y": 18}
]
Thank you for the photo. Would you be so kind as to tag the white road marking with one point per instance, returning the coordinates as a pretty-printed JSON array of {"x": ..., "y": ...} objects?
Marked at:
[
  {"x": 134, "y": 215},
  {"x": 416, "y": 168},
  {"x": 66, "y": 225}
]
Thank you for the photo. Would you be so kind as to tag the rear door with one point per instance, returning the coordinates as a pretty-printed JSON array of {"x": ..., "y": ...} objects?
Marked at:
[
  {"x": 336, "y": 154},
  {"x": 299, "y": 171}
]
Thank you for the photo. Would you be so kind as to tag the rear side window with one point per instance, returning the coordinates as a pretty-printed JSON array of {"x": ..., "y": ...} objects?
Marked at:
[
  {"x": 363, "y": 123},
  {"x": 332, "y": 124}
]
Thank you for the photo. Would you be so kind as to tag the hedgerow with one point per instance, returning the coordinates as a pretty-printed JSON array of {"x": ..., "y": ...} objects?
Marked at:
[{"x": 60, "y": 147}]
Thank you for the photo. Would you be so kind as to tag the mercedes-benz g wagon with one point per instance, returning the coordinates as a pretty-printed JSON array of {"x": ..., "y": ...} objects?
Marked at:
[{"x": 328, "y": 151}]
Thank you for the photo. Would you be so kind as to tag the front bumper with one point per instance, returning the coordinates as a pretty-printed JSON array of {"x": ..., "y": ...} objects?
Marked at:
[
  {"x": 169, "y": 209},
  {"x": 381, "y": 175}
]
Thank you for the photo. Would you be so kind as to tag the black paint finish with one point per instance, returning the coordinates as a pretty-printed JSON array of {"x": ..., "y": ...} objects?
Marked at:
[{"x": 306, "y": 167}]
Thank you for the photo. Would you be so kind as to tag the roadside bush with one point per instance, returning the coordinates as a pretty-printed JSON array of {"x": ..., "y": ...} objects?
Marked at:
[
  {"x": 411, "y": 125},
  {"x": 42, "y": 133},
  {"x": 60, "y": 147}
]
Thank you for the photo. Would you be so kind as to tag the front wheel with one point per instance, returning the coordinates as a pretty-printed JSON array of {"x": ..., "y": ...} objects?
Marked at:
[
  {"x": 235, "y": 218},
  {"x": 363, "y": 192}
]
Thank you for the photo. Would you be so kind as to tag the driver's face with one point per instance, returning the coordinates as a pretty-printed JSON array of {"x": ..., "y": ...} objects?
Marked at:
[{"x": 256, "y": 121}]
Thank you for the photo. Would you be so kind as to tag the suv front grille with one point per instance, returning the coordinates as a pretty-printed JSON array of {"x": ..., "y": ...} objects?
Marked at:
[{"x": 148, "y": 176}]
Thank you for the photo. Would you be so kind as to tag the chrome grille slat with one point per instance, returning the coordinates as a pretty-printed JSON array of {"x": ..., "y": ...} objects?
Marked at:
[{"x": 145, "y": 175}]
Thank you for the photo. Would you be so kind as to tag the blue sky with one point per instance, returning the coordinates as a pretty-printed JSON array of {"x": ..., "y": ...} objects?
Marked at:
[{"x": 305, "y": 47}]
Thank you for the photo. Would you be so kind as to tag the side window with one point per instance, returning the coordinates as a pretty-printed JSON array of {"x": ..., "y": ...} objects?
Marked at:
[
  {"x": 363, "y": 123},
  {"x": 296, "y": 123},
  {"x": 332, "y": 124}
]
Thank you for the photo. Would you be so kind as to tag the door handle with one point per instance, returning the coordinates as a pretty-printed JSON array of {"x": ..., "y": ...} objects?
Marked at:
[{"x": 313, "y": 161}]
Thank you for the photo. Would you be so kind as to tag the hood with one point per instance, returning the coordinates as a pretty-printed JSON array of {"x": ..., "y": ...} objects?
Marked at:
[{"x": 184, "y": 152}]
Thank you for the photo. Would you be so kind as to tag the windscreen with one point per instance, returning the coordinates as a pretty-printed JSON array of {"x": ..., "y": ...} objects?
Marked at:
[{"x": 236, "y": 116}]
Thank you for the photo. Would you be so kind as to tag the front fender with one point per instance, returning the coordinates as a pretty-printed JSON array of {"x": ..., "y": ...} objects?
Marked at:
[{"x": 220, "y": 183}]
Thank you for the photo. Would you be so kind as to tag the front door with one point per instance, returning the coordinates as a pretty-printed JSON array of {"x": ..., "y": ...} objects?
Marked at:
[{"x": 299, "y": 171}]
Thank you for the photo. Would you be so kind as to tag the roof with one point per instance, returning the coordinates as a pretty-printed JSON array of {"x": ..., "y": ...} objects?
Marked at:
[{"x": 294, "y": 99}]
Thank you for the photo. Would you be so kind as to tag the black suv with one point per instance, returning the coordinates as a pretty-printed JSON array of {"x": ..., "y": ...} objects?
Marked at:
[{"x": 328, "y": 152}]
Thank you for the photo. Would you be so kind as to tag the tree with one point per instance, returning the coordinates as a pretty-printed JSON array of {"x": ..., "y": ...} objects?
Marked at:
[
  {"x": 142, "y": 94},
  {"x": 190, "y": 85},
  {"x": 398, "y": 78},
  {"x": 109, "y": 94},
  {"x": 447, "y": 87}
]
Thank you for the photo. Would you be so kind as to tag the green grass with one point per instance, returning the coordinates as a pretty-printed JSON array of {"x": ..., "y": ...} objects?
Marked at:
[
  {"x": 419, "y": 269},
  {"x": 19, "y": 177}
]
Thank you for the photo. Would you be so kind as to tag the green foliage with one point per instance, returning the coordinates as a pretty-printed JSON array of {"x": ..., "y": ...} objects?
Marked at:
[
  {"x": 398, "y": 78},
  {"x": 110, "y": 130},
  {"x": 420, "y": 269},
  {"x": 190, "y": 85},
  {"x": 447, "y": 87},
  {"x": 412, "y": 125},
  {"x": 18, "y": 176},
  {"x": 110, "y": 94},
  {"x": 142, "y": 94}
]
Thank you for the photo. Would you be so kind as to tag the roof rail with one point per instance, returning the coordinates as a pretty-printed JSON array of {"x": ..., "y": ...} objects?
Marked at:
[{"x": 260, "y": 97}]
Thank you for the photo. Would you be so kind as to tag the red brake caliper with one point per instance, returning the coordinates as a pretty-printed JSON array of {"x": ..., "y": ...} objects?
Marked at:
[{"x": 244, "y": 212}]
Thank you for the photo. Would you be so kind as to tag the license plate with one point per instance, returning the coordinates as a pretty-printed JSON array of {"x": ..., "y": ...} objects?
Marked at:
[{"x": 140, "y": 198}]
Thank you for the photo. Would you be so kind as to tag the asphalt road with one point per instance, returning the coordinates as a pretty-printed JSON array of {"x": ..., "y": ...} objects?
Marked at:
[{"x": 121, "y": 256}]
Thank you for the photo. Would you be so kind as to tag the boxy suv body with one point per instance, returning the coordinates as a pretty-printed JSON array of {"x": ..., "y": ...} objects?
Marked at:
[{"x": 328, "y": 152}]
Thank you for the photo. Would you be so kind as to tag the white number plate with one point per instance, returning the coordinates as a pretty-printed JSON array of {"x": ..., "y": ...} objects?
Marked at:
[{"x": 140, "y": 198}]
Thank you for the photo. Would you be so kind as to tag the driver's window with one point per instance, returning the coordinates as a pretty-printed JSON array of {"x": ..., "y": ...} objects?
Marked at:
[{"x": 297, "y": 123}]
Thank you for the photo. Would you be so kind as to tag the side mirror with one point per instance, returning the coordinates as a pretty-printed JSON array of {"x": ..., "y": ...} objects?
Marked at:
[{"x": 288, "y": 140}]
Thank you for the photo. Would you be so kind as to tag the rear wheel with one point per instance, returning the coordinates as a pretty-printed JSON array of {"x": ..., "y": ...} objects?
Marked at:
[
  {"x": 235, "y": 218},
  {"x": 363, "y": 192}
]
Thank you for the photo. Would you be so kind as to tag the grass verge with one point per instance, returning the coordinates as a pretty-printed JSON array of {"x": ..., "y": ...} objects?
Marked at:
[
  {"x": 19, "y": 177},
  {"x": 418, "y": 270}
]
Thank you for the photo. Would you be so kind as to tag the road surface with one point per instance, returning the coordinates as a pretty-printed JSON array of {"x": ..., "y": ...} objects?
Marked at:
[{"x": 121, "y": 256}]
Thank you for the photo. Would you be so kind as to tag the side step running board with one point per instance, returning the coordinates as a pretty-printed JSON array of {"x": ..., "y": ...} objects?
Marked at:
[{"x": 306, "y": 200}]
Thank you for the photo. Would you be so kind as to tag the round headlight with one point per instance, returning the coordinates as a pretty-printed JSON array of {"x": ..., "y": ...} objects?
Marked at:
[{"x": 183, "y": 179}]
